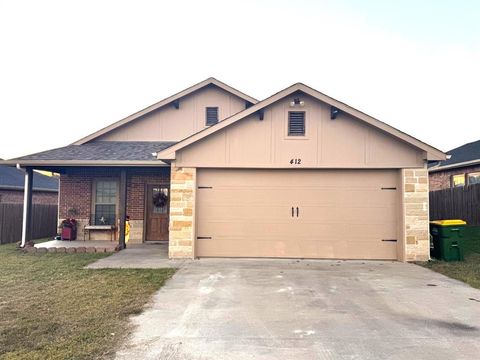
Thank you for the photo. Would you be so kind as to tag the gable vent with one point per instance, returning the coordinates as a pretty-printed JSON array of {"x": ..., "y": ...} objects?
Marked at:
[
  {"x": 211, "y": 116},
  {"x": 296, "y": 123}
]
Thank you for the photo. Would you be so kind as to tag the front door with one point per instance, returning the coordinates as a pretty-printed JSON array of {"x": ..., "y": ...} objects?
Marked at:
[{"x": 157, "y": 212}]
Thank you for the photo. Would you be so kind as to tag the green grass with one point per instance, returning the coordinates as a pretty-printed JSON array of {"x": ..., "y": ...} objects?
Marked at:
[
  {"x": 52, "y": 308},
  {"x": 467, "y": 271}
]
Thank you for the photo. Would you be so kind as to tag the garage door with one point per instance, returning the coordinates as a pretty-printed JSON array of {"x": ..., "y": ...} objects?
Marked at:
[{"x": 339, "y": 214}]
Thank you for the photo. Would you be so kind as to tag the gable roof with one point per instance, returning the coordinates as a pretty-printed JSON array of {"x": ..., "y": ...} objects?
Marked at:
[
  {"x": 168, "y": 100},
  {"x": 13, "y": 179},
  {"x": 432, "y": 153},
  {"x": 465, "y": 155},
  {"x": 97, "y": 153}
]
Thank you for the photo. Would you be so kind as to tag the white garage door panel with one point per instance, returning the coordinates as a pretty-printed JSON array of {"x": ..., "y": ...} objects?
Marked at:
[{"x": 342, "y": 214}]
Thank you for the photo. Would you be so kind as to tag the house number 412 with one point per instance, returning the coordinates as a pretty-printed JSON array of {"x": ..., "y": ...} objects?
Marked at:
[{"x": 295, "y": 161}]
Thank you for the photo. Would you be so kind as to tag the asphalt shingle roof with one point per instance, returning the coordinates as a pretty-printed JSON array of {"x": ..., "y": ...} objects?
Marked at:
[
  {"x": 467, "y": 152},
  {"x": 12, "y": 177},
  {"x": 104, "y": 150}
]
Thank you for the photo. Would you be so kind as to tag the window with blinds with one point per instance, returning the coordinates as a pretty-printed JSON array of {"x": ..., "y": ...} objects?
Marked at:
[
  {"x": 211, "y": 116},
  {"x": 105, "y": 205},
  {"x": 296, "y": 123}
]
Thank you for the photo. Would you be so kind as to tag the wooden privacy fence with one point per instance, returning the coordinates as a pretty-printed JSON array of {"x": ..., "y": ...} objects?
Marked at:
[
  {"x": 456, "y": 203},
  {"x": 44, "y": 221}
]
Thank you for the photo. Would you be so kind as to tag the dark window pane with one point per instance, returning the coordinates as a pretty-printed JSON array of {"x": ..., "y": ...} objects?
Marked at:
[
  {"x": 106, "y": 192},
  {"x": 160, "y": 195},
  {"x": 474, "y": 178},
  {"x": 105, "y": 214}
]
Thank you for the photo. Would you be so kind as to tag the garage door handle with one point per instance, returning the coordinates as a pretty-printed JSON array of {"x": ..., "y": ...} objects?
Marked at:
[
  {"x": 297, "y": 211},
  {"x": 293, "y": 212}
]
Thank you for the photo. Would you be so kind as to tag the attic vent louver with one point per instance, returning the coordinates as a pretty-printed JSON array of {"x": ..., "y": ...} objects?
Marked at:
[
  {"x": 211, "y": 116},
  {"x": 296, "y": 123}
]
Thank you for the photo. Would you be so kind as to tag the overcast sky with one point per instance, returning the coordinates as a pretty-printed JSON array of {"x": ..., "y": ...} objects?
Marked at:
[{"x": 69, "y": 68}]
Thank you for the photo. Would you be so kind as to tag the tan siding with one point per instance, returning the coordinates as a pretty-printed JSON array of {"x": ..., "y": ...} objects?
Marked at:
[
  {"x": 170, "y": 124},
  {"x": 340, "y": 143}
]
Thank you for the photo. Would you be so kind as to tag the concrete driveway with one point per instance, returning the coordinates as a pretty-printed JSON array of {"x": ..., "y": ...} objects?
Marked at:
[{"x": 286, "y": 309}]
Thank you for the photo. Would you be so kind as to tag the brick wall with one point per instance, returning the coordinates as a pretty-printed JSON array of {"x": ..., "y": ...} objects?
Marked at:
[
  {"x": 182, "y": 213},
  {"x": 415, "y": 209},
  {"x": 76, "y": 194},
  {"x": 39, "y": 197},
  {"x": 441, "y": 179}
]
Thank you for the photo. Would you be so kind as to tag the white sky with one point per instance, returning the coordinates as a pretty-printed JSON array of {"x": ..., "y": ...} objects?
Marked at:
[{"x": 69, "y": 68}]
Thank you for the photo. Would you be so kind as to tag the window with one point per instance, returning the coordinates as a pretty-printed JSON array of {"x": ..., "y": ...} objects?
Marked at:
[
  {"x": 105, "y": 207},
  {"x": 458, "y": 180},
  {"x": 296, "y": 123},
  {"x": 473, "y": 178},
  {"x": 211, "y": 116}
]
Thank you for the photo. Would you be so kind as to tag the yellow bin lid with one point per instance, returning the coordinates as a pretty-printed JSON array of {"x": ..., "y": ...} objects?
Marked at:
[{"x": 448, "y": 222}]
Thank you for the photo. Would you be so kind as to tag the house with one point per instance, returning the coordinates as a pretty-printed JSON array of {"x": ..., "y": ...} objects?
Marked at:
[
  {"x": 45, "y": 188},
  {"x": 461, "y": 169},
  {"x": 219, "y": 174}
]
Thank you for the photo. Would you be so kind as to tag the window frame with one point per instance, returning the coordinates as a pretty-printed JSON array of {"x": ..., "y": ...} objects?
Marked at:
[
  {"x": 452, "y": 181},
  {"x": 295, "y": 136},
  {"x": 94, "y": 203},
  {"x": 206, "y": 115}
]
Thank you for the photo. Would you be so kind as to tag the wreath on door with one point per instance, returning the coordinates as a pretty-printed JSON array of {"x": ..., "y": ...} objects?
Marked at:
[{"x": 160, "y": 199}]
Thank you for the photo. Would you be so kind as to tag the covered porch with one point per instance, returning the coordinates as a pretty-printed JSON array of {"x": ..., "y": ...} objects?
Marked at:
[
  {"x": 112, "y": 207},
  {"x": 102, "y": 185}
]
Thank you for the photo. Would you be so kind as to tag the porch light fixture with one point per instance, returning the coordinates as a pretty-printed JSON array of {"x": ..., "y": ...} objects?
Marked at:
[{"x": 296, "y": 102}]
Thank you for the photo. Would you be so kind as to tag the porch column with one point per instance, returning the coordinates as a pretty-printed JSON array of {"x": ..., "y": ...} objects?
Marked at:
[
  {"x": 416, "y": 216},
  {"x": 182, "y": 213},
  {"x": 27, "y": 207},
  {"x": 122, "y": 211}
]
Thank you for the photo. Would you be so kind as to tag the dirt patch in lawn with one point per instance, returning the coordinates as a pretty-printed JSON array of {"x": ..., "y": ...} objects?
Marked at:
[{"x": 53, "y": 308}]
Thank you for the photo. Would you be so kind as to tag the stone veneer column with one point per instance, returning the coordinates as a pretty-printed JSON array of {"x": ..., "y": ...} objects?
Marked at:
[
  {"x": 415, "y": 209},
  {"x": 182, "y": 213}
]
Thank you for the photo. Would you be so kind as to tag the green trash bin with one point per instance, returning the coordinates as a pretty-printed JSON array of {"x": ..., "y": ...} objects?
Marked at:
[{"x": 448, "y": 239}]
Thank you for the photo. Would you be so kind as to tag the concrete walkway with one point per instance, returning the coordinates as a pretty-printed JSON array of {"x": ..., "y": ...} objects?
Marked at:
[
  {"x": 149, "y": 256},
  {"x": 285, "y": 309}
]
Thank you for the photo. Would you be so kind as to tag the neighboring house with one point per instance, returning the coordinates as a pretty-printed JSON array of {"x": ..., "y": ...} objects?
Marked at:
[
  {"x": 217, "y": 173},
  {"x": 45, "y": 188},
  {"x": 461, "y": 169}
]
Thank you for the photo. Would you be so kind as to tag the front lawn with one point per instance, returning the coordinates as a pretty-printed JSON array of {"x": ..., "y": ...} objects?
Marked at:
[
  {"x": 467, "y": 271},
  {"x": 52, "y": 308}
]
